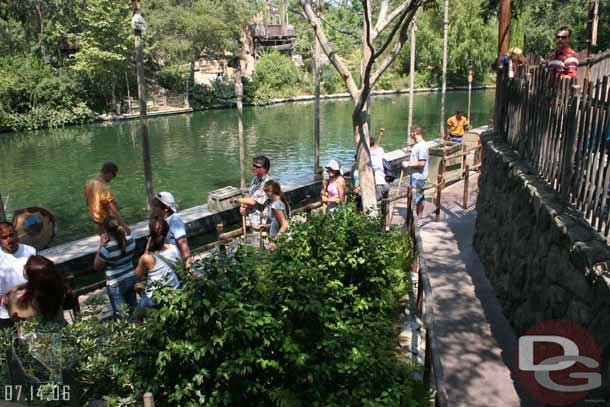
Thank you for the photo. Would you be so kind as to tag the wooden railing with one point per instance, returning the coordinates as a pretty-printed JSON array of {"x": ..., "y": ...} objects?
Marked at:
[{"x": 562, "y": 130}]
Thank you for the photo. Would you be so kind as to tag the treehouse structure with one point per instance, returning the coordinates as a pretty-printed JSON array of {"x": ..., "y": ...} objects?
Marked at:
[{"x": 271, "y": 31}]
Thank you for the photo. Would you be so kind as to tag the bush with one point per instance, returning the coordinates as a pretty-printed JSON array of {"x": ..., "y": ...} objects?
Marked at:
[
  {"x": 173, "y": 79},
  {"x": 308, "y": 324},
  {"x": 36, "y": 95},
  {"x": 206, "y": 96},
  {"x": 276, "y": 71}
]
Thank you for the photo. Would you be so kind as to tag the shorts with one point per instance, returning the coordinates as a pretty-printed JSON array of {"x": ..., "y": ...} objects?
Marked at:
[
  {"x": 418, "y": 185},
  {"x": 457, "y": 139}
]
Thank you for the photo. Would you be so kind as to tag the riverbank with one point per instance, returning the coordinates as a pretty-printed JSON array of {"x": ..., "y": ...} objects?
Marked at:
[{"x": 292, "y": 99}]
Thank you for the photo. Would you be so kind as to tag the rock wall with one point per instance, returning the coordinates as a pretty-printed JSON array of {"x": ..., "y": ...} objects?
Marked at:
[{"x": 543, "y": 259}]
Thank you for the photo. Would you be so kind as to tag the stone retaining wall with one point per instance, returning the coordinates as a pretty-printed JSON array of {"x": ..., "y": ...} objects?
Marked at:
[{"x": 543, "y": 259}]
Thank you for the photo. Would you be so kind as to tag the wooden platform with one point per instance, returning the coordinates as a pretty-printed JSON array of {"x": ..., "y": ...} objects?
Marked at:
[{"x": 477, "y": 344}]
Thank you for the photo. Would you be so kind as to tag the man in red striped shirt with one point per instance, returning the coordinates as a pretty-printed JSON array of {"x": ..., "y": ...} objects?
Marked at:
[{"x": 564, "y": 62}]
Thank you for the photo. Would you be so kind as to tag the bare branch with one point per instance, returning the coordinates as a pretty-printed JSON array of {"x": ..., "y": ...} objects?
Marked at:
[
  {"x": 368, "y": 56},
  {"x": 393, "y": 32},
  {"x": 402, "y": 38},
  {"x": 329, "y": 51},
  {"x": 351, "y": 34},
  {"x": 383, "y": 24},
  {"x": 383, "y": 12}
]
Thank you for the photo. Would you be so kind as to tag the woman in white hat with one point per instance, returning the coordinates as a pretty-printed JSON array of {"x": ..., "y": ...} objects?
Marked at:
[
  {"x": 164, "y": 206},
  {"x": 333, "y": 193}
]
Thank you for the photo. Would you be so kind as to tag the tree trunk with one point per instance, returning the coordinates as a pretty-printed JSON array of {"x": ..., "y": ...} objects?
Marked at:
[
  {"x": 114, "y": 107},
  {"x": 444, "y": 88},
  {"x": 239, "y": 94},
  {"x": 316, "y": 165},
  {"x": 412, "y": 76},
  {"x": 365, "y": 170},
  {"x": 143, "y": 120}
]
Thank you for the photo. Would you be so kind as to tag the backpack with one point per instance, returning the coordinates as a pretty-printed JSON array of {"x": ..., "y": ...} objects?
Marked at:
[{"x": 388, "y": 171}]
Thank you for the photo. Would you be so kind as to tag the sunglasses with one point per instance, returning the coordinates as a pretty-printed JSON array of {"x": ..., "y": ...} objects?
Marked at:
[
  {"x": 257, "y": 166},
  {"x": 561, "y": 37}
]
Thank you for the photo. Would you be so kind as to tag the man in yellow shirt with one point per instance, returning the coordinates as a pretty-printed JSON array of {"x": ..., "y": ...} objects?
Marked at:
[
  {"x": 457, "y": 125},
  {"x": 100, "y": 199}
]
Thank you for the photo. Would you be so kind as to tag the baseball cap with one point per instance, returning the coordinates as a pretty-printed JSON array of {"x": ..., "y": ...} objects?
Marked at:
[{"x": 168, "y": 200}]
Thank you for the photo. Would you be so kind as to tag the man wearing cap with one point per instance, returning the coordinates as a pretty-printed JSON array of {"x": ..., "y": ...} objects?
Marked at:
[
  {"x": 13, "y": 256},
  {"x": 253, "y": 205},
  {"x": 164, "y": 206},
  {"x": 457, "y": 125},
  {"x": 100, "y": 199},
  {"x": 418, "y": 166}
]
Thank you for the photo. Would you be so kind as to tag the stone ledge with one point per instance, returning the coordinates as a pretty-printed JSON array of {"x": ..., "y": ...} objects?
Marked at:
[{"x": 542, "y": 257}]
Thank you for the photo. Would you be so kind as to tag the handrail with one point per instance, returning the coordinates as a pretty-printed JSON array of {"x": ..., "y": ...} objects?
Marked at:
[{"x": 425, "y": 311}]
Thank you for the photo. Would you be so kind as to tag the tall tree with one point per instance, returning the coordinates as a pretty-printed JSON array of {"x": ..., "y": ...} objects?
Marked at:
[
  {"x": 105, "y": 43},
  {"x": 382, "y": 38}
]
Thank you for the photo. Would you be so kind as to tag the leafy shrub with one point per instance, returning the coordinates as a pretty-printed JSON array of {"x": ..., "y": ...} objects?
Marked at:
[
  {"x": 308, "y": 324},
  {"x": 36, "y": 95},
  {"x": 173, "y": 79},
  {"x": 330, "y": 80},
  {"x": 206, "y": 96},
  {"x": 276, "y": 71}
]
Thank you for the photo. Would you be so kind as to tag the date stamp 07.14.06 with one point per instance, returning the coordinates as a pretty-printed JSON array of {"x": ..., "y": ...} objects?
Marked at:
[{"x": 39, "y": 392}]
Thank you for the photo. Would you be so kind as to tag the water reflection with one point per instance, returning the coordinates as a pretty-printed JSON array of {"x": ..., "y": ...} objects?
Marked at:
[{"x": 194, "y": 154}]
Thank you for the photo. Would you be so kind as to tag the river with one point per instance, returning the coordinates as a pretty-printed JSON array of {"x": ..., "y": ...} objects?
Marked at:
[{"x": 193, "y": 154}]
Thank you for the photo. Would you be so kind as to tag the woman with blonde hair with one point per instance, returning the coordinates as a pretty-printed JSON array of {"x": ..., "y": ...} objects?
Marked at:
[{"x": 280, "y": 209}]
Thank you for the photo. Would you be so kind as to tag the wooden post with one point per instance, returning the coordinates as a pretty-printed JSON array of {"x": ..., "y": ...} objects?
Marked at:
[
  {"x": 149, "y": 400},
  {"x": 466, "y": 185},
  {"x": 243, "y": 225},
  {"x": 504, "y": 29},
  {"x": 412, "y": 76},
  {"x": 444, "y": 86},
  {"x": 427, "y": 362},
  {"x": 128, "y": 92},
  {"x": 139, "y": 44},
  {"x": 317, "y": 68},
  {"x": 2, "y": 213},
  {"x": 568, "y": 158},
  {"x": 419, "y": 302},
  {"x": 439, "y": 188},
  {"x": 239, "y": 94},
  {"x": 470, "y": 78},
  {"x": 220, "y": 228}
]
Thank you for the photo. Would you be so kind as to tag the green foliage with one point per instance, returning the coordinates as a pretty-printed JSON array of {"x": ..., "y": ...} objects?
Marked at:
[
  {"x": 309, "y": 324},
  {"x": 467, "y": 34},
  {"x": 34, "y": 95},
  {"x": 173, "y": 78},
  {"x": 330, "y": 80},
  {"x": 276, "y": 70}
]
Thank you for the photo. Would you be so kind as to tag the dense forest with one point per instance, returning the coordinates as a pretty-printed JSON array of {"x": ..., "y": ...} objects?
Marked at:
[{"x": 66, "y": 61}]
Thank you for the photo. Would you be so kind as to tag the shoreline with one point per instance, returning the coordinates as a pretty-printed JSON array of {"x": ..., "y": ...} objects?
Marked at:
[{"x": 293, "y": 99}]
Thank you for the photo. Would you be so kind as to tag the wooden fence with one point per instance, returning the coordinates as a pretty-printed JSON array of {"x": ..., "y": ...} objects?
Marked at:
[{"x": 562, "y": 129}]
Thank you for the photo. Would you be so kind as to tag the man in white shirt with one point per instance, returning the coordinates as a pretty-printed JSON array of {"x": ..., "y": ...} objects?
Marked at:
[
  {"x": 418, "y": 164},
  {"x": 13, "y": 256}
]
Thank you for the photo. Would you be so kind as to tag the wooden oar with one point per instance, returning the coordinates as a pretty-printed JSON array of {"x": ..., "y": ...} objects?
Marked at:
[{"x": 243, "y": 224}]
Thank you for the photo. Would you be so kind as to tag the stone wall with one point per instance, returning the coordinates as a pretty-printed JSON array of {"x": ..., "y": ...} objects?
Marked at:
[{"x": 543, "y": 259}]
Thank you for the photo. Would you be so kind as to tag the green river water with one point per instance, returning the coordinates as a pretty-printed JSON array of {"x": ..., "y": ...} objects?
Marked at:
[{"x": 193, "y": 154}]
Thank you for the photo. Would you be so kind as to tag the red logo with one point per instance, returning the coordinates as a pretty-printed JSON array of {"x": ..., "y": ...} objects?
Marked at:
[{"x": 558, "y": 362}]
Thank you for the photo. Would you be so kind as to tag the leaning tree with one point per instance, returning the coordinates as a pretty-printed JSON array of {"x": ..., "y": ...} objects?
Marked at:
[{"x": 382, "y": 39}]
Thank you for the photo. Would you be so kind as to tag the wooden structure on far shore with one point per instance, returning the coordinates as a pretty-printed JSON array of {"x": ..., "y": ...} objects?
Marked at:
[{"x": 271, "y": 30}]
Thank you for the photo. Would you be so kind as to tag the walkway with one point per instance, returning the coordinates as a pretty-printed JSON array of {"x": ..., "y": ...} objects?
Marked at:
[{"x": 476, "y": 342}]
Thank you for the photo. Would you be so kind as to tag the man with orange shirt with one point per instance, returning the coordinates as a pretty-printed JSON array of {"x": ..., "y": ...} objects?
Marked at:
[{"x": 100, "y": 199}]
